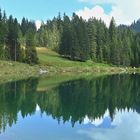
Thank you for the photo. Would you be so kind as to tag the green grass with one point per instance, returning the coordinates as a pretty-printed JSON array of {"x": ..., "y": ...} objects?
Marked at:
[
  {"x": 50, "y": 58},
  {"x": 10, "y": 70},
  {"x": 55, "y": 65}
]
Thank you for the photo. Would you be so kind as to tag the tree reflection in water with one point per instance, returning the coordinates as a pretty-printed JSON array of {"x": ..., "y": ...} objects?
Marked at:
[{"x": 70, "y": 101}]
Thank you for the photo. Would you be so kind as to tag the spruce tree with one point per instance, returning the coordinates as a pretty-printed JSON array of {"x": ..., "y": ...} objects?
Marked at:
[
  {"x": 92, "y": 33},
  {"x": 114, "y": 51},
  {"x": 30, "y": 50}
]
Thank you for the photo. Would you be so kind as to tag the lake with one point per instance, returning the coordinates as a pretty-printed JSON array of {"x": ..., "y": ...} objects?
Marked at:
[{"x": 88, "y": 108}]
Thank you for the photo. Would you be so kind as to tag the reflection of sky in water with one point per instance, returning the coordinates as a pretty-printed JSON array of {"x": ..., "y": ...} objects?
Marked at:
[
  {"x": 105, "y": 121},
  {"x": 124, "y": 126}
]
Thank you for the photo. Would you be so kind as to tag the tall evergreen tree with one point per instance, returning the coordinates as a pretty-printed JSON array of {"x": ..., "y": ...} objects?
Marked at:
[
  {"x": 13, "y": 45},
  {"x": 114, "y": 55},
  {"x": 3, "y": 34},
  {"x": 66, "y": 40},
  {"x": 30, "y": 50},
  {"x": 92, "y": 33}
]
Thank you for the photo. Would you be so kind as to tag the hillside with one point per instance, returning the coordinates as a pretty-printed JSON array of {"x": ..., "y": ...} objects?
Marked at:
[
  {"x": 51, "y": 58},
  {"x": 55, "y": 63}
]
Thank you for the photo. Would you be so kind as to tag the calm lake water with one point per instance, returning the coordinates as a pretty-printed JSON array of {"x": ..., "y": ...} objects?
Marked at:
[{"x": 98, "y": 108}]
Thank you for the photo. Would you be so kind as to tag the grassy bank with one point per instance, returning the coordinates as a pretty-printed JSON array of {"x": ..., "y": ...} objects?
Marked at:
[
  {"x": 10, "y": 70},
  {"x": 54, "y": 64}
]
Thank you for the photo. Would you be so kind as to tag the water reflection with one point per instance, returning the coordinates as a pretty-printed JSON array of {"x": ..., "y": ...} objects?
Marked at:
[
  {"x": 99, "y": 101},
  {"x": 124, "y": 126}
]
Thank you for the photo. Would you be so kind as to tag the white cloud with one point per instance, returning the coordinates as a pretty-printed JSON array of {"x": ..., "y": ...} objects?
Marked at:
[
  {"x": 38, "y": 24},
  {"x": 96, "y": 11},
  {"x": 124, "y": 11}
]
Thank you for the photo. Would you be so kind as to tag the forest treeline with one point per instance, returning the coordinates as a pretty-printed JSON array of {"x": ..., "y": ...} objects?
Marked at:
[
  {"x": 17, "y": 41},
  {"x": 82, "y": 40},
  {"x": 73, "y": 38}
]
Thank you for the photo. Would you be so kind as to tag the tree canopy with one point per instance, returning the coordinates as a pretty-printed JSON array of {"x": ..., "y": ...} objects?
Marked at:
[
  {"x": 73, "y": 38},
  {"x": 82, "y": 40}
]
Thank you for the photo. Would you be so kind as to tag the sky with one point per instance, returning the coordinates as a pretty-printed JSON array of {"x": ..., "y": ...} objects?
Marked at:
[{"x": 124, "y": 11}]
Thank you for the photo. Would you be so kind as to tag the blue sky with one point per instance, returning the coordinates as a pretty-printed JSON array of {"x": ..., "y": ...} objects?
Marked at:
[
  {"x": 124, "y": 11},
  {"x": 44, "y": 9}
]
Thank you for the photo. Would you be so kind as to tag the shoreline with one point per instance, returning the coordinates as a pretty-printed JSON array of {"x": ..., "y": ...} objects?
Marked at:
[{"x": 10, "y": 71}]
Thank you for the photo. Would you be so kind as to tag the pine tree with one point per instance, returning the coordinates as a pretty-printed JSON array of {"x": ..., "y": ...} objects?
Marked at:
[
  {"x": 30, "y": 50},
  {"x": 100, "y": 41},
  {"x": 13, "y": 49},
  {"x": 114, "y": 50},
  {"x": 66, "y": 40},
  {"x": 92, "y": 33},
  {"x": 2, "y": 36},
  {"x": 75, "y": 51}
]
